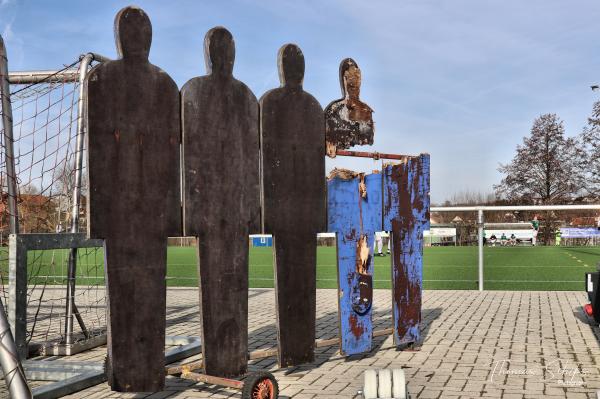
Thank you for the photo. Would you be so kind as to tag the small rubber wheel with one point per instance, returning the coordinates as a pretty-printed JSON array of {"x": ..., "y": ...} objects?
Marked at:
[
  {"x": 260, "y": 385},
  {"x": 399, "y": 384},
  {"x": 370, "y": 384},
  {"x": 385, "y": 383}
]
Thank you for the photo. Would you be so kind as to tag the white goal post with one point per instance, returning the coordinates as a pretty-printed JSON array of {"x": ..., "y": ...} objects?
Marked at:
[{"x": 481, "y": 220}]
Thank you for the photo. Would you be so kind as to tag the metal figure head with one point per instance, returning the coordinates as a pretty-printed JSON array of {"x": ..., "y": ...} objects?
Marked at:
[
  {"x": 133, "y": 33},
  {"x": 290, "y": 62},
  {"x": 350, "y": 78},
  {"x": 219, "y": 51}
]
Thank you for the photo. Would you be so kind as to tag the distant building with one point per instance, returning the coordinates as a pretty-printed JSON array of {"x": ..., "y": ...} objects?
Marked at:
[{"x": 585, "y": 221}]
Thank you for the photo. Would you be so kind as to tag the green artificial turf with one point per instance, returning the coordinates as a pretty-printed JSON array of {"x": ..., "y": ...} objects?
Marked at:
[{"x": 506, "y": 268}]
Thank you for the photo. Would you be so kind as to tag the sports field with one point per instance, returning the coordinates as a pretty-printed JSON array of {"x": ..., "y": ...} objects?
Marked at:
[{"x": 506, "y": 268}]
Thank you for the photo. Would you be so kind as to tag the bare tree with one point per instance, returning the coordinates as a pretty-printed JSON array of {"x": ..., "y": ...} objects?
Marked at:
[
  {"x": 590, "y": 141},
  {"x": 64, "y": 179},
  {"x": 63, "y": 186},
  {"x": 29, "y": 188},
  {"x": 469, "y": 197},
  {"x": 546, "y": 168}
]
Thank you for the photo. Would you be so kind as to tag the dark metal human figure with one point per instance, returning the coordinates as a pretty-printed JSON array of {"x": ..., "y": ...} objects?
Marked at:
[
  {"x": 221, "y": 199},
  {"x": 133, "y": 148},
  {"x": 294, "y": 198},
  {"x": 349, "y": 121}
]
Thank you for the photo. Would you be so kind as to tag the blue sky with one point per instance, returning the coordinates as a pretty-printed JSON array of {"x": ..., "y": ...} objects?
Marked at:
[{"x": 461, "y": 80}]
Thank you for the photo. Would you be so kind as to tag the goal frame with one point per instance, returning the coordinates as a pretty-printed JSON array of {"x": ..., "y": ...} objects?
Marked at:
[{"x": 481, "y": 221}]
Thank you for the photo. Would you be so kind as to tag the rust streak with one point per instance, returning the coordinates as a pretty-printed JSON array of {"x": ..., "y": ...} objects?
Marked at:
[
  {"x": 362, "y": 187},
  {"x": 362, "y": 255},
  {"x": 407, "y": 292},
  {"x": 356, "y": 327}
]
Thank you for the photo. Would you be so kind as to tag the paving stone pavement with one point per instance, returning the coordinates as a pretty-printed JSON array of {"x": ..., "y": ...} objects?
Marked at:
[{"x": 495, "y": 344}]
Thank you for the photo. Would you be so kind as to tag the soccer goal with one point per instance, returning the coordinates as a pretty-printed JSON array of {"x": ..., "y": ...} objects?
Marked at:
[
  {"x": 497, "y": 226},
  {"x": 52, "y": 277}
]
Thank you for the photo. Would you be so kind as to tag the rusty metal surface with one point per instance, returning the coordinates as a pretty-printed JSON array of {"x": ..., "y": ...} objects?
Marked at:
[
  {"x": 374, "y": 155},
  {"x": 293, "y": 170},
  {"x": 406, "y": 215},
  {"x": 221, "y": 199},
  {"x": 349, "y": 121},
  {"x": 355, "y": 214},
  {"x": 133, "y": 143},
  {"x": 209, "y": 379}
]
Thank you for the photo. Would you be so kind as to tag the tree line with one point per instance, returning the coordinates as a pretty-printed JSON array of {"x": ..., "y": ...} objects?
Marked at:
[{"x": 551, "y": 168}]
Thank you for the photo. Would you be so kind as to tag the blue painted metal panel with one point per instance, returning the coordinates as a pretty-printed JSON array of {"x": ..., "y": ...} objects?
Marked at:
[
  {"x": 406, "y": 215},
  {"x": 355, "y": 219}
]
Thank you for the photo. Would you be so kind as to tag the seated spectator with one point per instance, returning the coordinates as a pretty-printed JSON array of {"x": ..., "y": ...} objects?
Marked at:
[
  {"x": 503, "y": 239},
  {"x": 513, "y": 239},
  {"x": 493, "y": 240}
]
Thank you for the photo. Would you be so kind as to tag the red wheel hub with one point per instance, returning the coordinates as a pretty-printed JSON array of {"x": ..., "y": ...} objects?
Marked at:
[{"x": 263, "y": 389}]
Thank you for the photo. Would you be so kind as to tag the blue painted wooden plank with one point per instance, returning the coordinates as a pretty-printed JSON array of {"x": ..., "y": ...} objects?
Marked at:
[
  {"x": 406, "y": 215},
  {"x": 355, "y": 218}
]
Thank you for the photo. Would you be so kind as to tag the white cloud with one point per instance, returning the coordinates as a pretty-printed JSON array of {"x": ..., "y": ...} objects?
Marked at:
[
  {"x": 7, "y": 32},
  {"x": 14, "y": 44}
]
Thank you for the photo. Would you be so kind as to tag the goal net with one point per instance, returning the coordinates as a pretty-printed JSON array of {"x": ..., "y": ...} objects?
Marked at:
[{"x": 45, "y": 126}]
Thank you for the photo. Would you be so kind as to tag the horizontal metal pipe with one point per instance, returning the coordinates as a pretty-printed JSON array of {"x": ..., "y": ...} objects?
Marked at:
[
  {"x": 30, "y": 77},
  {"x": 514, "y": 208},
  {"x": 183, "y": 368},
  {"x": 382, "y": 333},
  {"x": 322, "y": 343},
  {"x": 98, "y": 57},
  {"x": 50, "y": 76},
  {"x": 264, "y": 353},
  {"x": 225, "y": 382},
  {"x": 375, "y": 155}
]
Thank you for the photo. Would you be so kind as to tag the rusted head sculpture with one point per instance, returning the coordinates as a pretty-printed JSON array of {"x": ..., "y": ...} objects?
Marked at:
[
  {"x": 219, "y": 51},
  {"x": 349, "y": 121},
  {"x": 290, "y": 62},
  {"x": 133, "y": 33},
  {"x": 350, "y": 78}
]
